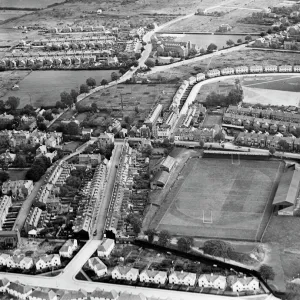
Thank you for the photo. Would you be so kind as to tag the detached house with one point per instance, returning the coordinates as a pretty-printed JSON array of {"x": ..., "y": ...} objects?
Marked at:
[
  {"x": 97, "y": 266},
  {"x": 182, "y": 278},
  {"x": 48, "y": 261},
  {"x": 26, "y": 263},
  {"x": 68, "y": 248},
  {"x": 157, "y": 277},
  {"x": 19, "y": 290},
  {"x": 127, "y": 273},
  {"x": 105, "y": 248},
  {"x": 212, "y": 281}
]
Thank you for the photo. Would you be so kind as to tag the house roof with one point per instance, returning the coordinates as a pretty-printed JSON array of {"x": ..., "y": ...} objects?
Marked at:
[
  {"x": 104, "y": 294},
  {"x": 43, "y": 294},
  {"x": 168, "y": 162},
  {"x": 242, "y": 280},
  {"x": 106, "y": 244},
  {"x": 213, "y": 278},
  {"x": 97, "y": 263},
  {"x": 126, "y": 296},
  {"x": 161, "y": 177},
  {"x": 72, "y": 295},
  {"x": 47, "y": 258},
  {"x": 183, "y": 275},
  {"x": 18, "y": 287},
  {"x": 288, "y": 189},
  {"x": 3, "y": 282},
  {"x": 154, "y": 273},
  {"x": 126, "y": 270}
]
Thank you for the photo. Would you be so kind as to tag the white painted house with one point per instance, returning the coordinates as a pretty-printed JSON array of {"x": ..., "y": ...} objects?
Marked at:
[
  {"x": 4, "y": 283},
  {"x": 244, "y": 284},
  {"x": 271, "y": 68},
  {"x": 127, "y": 273},
  {"x": 68, "y": 248},
  {"x": 19, "y": 290},
  {"x": 158, "y": 277},
  {"x": 182, "y": 278},
  {"x": 105, "y": 248},
  {"x": 48, "y": 261},
  {"x": 241, "y": 70},
  {"x": 213, "y": 73},
  {"x": 256, "y": 69},
  {"x": 227, "y": 71},
  {"x": 213, "y": 281},
  {"x": 200, "y": 76},
  {"x": 26, "y": 263},
  {"x": 97, "y": 266},
  {"x": 3, "y": 259}
]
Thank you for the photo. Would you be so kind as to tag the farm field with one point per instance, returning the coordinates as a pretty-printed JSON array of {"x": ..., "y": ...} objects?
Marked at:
[
  {"x": 220, "y": 198},
  {"x": 143, "y": 96},
  {"x": 28, "y": 3},
  {"x": 43, "y": 88},
  {"x": 231, "y": 59}
]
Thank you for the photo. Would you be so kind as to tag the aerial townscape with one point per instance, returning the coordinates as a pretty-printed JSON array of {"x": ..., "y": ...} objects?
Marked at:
[{"x": 149, "y": 150}]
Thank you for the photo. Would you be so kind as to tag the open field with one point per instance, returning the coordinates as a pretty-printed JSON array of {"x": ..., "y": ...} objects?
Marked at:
[
  {"x": 143, "y": 96},
  {"x": 28, "y": 3},
  {"x": 230, "y": 59},
  {"x": 17, "y": 174},
  {"x": 8, "y": 14},
  {"x": 43, "y": 88},
  {"x": 211, "y": 120},
  {"x": 232, "y": 194}
]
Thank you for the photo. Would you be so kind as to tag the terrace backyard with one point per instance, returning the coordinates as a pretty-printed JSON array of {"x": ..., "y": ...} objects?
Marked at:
[{"x": 219, "y": 198}]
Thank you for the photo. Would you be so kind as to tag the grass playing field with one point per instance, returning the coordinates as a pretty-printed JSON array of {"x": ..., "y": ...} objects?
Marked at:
[{"x": 219, "y": 198}]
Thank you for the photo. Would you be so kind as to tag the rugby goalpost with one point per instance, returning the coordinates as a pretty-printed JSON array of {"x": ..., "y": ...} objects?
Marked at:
[
  {"x": 235, "y": 159},
  {"x": 207, "y": 221}
]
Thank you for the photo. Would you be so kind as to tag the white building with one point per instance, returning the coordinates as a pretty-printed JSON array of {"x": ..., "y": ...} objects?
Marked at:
[
  {"x": 40, "y": 294},
  {"x": 256, "y": 69},
  {"x": 97, "y": 266},
  {"x": 68, "y": 248},
  {"x": 158, "y": 277},
  {"x": 105, "y": 248},
  {"x": 200, "y": 76},
  {"x": 99, "y": 294},
  {"x": 212, "y": 281},
  {"x": 19, "y": 290},
  {"x": 243, "y": 284},
  {"x": 241, "y": 70},
  {"x": 285, "y": 69},
  {"x": 271, "y": 68},
  {"x": 297, "y": 68},
  {"x": 192, "y": 80},
  {"x": 227, "y": 71},
  {"x": 213, "y": 73},
  {"x": 127, "y": 273},
  {"x": 48, "y": 261},
  {"x": 182, "y": 278},
  {"x": 26, "y": 263}
]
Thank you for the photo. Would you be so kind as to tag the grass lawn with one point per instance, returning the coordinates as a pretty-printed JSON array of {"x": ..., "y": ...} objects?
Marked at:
[
  {"x": 143, "y": 96},
  {"x": 71, "y": 146},
  {"x": 28, "y": 3},
  {"x": 17, "y": 174},
  {"x": 212, "y": 120},
  {"x": 232, "y": 196}
]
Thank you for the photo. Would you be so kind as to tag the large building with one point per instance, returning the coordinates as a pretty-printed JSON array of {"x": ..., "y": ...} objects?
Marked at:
[{"x": 286, "y": 200}]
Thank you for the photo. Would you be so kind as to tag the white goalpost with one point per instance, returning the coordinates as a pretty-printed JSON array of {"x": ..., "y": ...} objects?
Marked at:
[
  {"x": 235, "y": 159},
  {"x": 209, "y": 220}
]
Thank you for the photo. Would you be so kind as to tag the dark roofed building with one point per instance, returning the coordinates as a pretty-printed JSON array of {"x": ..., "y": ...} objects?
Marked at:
[
  {"x": 159, "y": 180},
  {"x": 287, "y": 192}
]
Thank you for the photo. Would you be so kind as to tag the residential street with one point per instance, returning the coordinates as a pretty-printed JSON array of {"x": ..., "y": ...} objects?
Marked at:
[{"x": 112, "y": 171}]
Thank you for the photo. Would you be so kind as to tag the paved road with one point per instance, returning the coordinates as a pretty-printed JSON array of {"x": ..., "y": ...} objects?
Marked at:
[{"x": 103, "y": 208}]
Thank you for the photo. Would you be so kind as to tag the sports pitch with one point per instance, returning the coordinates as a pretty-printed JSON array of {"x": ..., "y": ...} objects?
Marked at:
[{"x": 220, "y": 198}]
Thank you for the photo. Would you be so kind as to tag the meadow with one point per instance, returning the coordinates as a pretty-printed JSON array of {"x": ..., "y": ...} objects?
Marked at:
[
  {"x": 220, "y": 198},
  {"x": 43, "y": 88},
  {"x": 28, "y": 3}
]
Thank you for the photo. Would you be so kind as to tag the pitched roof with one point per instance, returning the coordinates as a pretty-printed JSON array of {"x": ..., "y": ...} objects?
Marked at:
[
  {"x": 47, "y": 258},
  {"x": 213, "y": 278},
  {"x": 18, "y": 287},
  {"x": 97, "y": 263},
  {"x": 183, "y": 275},
  {"x": 161, "y": 177},
  {"x": 43, "y": 294},
  {"x": 105, "y": 244},
  {"x": 153, "y": 273},
  {"x": 126, "y": 270},
  {"x": 3, "y": 282},
  {"x": 104, "y": 294},
  {"x": 127, "y": 296},
  {"x": 288, "y": 188},
  {"x": 168, "y": 162},
  {"x": 71, "y": 295}
]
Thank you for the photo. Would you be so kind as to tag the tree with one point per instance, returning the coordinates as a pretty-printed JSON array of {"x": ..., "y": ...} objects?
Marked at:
[
  {"x": 272, "y": 150},
  {"x": 114, "y": 76},
  {"x": 4, "y": 176},
  {"x": 239, "y": 41},
  {"x": 137, "y": 55},
  {"x": 104, "y": 82},
  {"x": 184, "y": 244},
  {"x": 20, "y": 161},
  {"x": 283, "y": 144},
  {"x": 218, "y": 248},
  {"x": 91, "y": 82},
  {"x": 193, "y": 52},
  {"x": 150, "y": 63},
  {"x": 42, "y": 126},
  {"x": 84, "y": 89},
  {"x": 262, "y": 34},
  {"x": 13, "y": 102},
  {"x": 73, "y": 181},
  {"x": 60, "y": 105},
  {"x": 266, "y": 272},
  {"x": 48, "y": 115},
  {"x": 248, "y": 38},
  {"x": 74, "y": 95},
  {"x": 94, "y": 107},
  {"x": 219, "y": 137},
  {"x": 72, "y": 128},
  {"x": 211, "y": 47},
  {"x": 150, "y": 234},
  {"x": 164, "y": 238},
  {"x": 230, "y": 43},
  {"x": 122, "y": 71},
  {"x": 201, "y": 144},
  {"x": 66, "y": 98}
]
